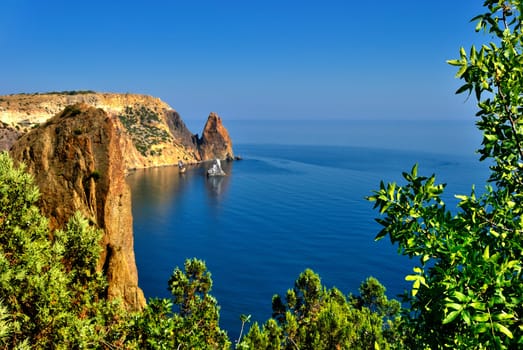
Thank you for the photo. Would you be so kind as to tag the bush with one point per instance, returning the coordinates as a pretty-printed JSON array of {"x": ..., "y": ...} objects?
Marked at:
[
  {"x": 467, "y": 290},
  {"x": 50, "y": 288}
]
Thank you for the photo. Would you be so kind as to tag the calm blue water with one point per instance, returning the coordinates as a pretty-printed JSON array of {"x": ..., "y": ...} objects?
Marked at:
[{"x": 284, "y": 208}]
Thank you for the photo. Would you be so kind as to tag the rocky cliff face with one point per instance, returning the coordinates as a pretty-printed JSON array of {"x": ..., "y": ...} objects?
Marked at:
[
  {"x": 77, "y": 160},
  {"x": 153, "y": 132},
  {"x": 215, "y": 141},
  {"x": 8, "y": 136}
]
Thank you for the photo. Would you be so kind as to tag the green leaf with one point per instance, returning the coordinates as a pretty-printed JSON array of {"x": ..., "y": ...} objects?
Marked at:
[
  {"x": 481, "y": 317},
  {"x": 459, "y": 296},
  {"x": 477, "y": 305},
  {"x": 501, "y": 328},
  {"x": 466, "y": 316},
  {"x": 414, "y": 170},
  {"x": 503, "y": 316},
  {"x": 380, "y": 235},
  {"x": 462, "y": 89},
  {"x": 455, "y": 62},
  {"x": 455, "y": 306},
  {"x": 490, "y": 137},
  {"x": 462, "y": 52},
  {"x": 411, "y": 277},
  {"x": 486, "y": 253},
  {"x": 479, "y": 25},
  {"x": 451, "y": 316},
  {"x": 461, "y": 71}
]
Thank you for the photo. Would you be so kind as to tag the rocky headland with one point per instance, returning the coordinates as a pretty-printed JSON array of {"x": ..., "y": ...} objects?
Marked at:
[
  {"x": 154, "y": 134},
  {"x": 79, "y": 148}
]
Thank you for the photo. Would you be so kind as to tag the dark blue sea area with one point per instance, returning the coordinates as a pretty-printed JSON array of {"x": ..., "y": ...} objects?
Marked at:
[{"x": 288, "y": 206}]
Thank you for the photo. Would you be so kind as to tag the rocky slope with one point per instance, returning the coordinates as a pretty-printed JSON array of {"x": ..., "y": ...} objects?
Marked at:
[
  {"x": 78, "y": 164},
  {"x": 153, "y": 132}
]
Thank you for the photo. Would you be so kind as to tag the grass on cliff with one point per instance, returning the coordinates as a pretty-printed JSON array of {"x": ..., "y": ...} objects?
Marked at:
[{"x": 140, "y": 122}]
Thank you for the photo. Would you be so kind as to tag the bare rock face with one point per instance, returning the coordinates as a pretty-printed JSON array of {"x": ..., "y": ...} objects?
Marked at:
[
  {"x": 215, "y": 141},
  {"x": 77, "y": 161},
  {"x": 8, "y": 136}
]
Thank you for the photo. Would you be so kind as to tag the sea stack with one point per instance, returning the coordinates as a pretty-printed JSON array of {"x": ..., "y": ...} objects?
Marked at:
[{"x": 215, "y": 141}]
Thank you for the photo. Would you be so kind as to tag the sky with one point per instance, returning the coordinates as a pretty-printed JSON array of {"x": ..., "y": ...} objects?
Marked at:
[{"x": 257, "y": 60}]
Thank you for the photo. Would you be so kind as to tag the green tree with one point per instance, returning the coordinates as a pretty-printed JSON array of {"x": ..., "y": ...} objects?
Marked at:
[
  {"x": 313, "y": 317},
  {"x": 467, "y": 290},
  {"x": 53, "y": 296},
  {"x": 190, "y": 321},
  {"x": 49, "y": 287},
  {"x": 198, "y": 309}
]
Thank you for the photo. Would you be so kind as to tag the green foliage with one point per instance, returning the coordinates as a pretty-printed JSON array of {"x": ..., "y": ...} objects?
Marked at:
[
  {"x": 141, "y": 124},
  {"x": 49, "y": 288},
  {"x": 189, "y": 322},
  {"x": 467, "y": 290},
  {"x": 69, "y": 92},
  {"x": 95, "y": 175},
  {"x": 198, "y": 309},
  {"x": 53, "y": 296},
  {"x": 313, "y": 317}
]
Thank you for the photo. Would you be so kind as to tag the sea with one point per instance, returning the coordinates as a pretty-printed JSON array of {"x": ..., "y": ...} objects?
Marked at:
[{"x": 296, "y": 200}]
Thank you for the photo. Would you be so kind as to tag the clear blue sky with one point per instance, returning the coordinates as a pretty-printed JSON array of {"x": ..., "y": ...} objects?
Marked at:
[{"x": 246, "y": 59}]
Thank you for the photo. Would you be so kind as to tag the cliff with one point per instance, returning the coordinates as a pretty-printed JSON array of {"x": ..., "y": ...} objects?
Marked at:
[
  {"x": 215, "y": 141},
  {"x": 78, "y": 163},
  {"x": 153, "y": 133}
]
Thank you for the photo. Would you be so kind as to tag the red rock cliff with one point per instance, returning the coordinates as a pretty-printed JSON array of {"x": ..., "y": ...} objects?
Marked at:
[
  {"x": 215, "y": 141},
  {"x": 76, "y": 159}
]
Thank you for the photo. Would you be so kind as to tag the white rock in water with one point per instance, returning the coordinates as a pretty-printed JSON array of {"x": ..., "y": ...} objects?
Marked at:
[{"x": 216, "y": 169}]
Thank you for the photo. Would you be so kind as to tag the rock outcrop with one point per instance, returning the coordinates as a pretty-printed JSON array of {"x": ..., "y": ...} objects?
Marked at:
[
  {"x": 8, "y": 136},
  {"x": 215, "y": 141},
  {"x": 153, "y": 132},
  {"x": 78, "y": 163}
]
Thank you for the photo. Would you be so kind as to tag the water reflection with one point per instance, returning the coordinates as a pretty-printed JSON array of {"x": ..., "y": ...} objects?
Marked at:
[
  {"x": 217, "y": 186},
  {"x": 161, "y": 189},
  {"x": 154, "y": 189}
]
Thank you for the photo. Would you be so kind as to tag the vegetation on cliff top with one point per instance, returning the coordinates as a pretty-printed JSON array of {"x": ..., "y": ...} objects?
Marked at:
[
  {"x": 140, "y": 122},
  {"x": 65, "y": 92}
]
